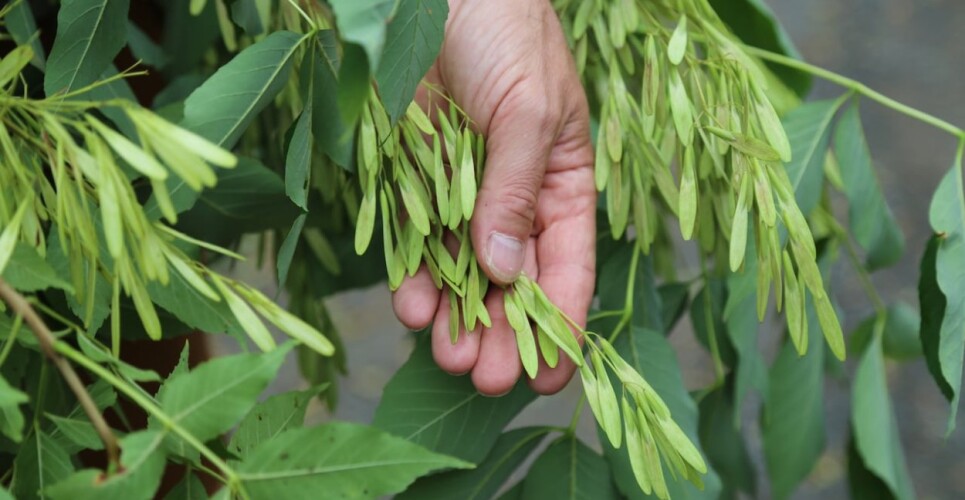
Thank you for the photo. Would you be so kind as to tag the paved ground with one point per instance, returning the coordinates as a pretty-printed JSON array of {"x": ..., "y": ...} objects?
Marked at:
[{"x": 911, "y": 50}]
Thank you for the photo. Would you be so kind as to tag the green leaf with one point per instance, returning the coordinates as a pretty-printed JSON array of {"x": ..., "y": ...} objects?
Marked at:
[
  {"x": 116, "y": 89},
  {"x": 331, "y": 131},
  {"x": 900, "y": 339},
  {"x": 20, "y": 22},
  {"x": 947, "y": 217},
  {"x": 223, "y": 107},
  {"x": 28, "y": 272},
  {"x": 569, "y": 469},
  {"x": 353, "y": 84},
  {"x": 808, "y": 130},
  {"x": 612, "y": 288},
  {"x": 217, "y": 394},
  {"x": 251, "y": 15},
  {"x": 270, "y": 418},
  {"x": 342, "y": 460},
  {"x": 143, "y": 464},
  {"x": 192, "y": 308},
  {"x": 75, "y": 434},
  {"x": 674, "y": 299},
  {"x": 725, "y": 446},
  {"x": 11, "y": 425},
  {"x": 144, "y": 48},
  {"x": 287, "y": 249},
  {"x": 188, "y": 36},
  {"x": 249, "y": 197},
  {"x": 933, "y": 303},
  {"x": 298, "y": 159},
  {"x": 41, "y": 462},
  {"x": 58, "y": 260},
  {"x": 875, "y": 429},
  {"x": 363, "y": 22},
  {"x": 427, "y": 406},
  {"x": 189, "y": 488},
  {"x": 706, "y": 316},
  {"x": 755, "y": 24},
  {"x": 89, "y": 34},
  {"x": 793, "y": 417},
  {"x": 862, "y": 483},
  {"x": 651, "y": 355},
  {"x": 510, "y": 451},
  {"x": 872, "y": 223},
  {"x": 412, "y": 44},
  {"x": 740, "y": 316}
]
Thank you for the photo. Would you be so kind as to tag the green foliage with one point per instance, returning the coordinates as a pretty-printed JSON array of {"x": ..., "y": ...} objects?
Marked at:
[
  {"x": 295, "y": 122},
  {"x": 89, "y": 34},
  {"x": 424, "y": 405},
  {"x": 341, "y": 459}
]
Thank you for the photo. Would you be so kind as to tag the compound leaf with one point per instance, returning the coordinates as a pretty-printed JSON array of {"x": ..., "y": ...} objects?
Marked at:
[
  {"x": 214, "y": 396},
  {"x": 343, "y": 460}
]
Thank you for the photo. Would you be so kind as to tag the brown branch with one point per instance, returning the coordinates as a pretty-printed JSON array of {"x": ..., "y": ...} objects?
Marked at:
[{"x": 46, "y": 339}]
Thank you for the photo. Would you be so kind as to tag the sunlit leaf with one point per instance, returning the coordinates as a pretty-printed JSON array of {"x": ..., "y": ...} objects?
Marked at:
[
  {"x": 217, "y": 394},
  {"x": 340, "y": 459},
  {"x": 270, "y": 418}
]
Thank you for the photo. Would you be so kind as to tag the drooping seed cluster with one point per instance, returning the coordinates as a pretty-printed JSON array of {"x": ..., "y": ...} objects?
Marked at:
[
  {"x": 67, "y": 170},
  {"x": 677, "y": 92}
]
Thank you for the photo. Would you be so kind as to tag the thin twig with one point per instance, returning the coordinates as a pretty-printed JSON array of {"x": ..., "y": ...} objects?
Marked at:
[{"x": 23, "y": 308}]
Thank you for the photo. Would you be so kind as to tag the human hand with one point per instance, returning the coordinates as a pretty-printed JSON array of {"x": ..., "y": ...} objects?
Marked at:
[{"x": 507, "y": 65}]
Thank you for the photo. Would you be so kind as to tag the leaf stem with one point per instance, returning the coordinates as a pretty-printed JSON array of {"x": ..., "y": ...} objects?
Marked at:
[
  {"x": 47, "y": 342},
  {"x": 230, "y": 476},
  {"x": 11, "y": 340},
  {"x": 857, "y": 87},
  {"x": 575, "y": 419},
  {"x": 628, "y": 303}
]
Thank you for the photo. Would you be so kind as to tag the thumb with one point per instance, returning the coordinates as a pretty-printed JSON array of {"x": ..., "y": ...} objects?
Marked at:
[{"x": 517, "y": 151}]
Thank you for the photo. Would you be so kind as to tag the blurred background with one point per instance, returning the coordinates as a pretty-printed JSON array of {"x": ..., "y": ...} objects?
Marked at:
[{"x": 910, "y": 50}]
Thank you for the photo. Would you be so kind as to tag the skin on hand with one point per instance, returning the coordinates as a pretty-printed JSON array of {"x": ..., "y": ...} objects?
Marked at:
[{"x": 506, "y": 63}]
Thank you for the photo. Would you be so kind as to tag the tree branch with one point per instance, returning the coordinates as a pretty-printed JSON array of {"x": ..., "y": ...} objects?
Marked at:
[{"x": 23, "y": 309}]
